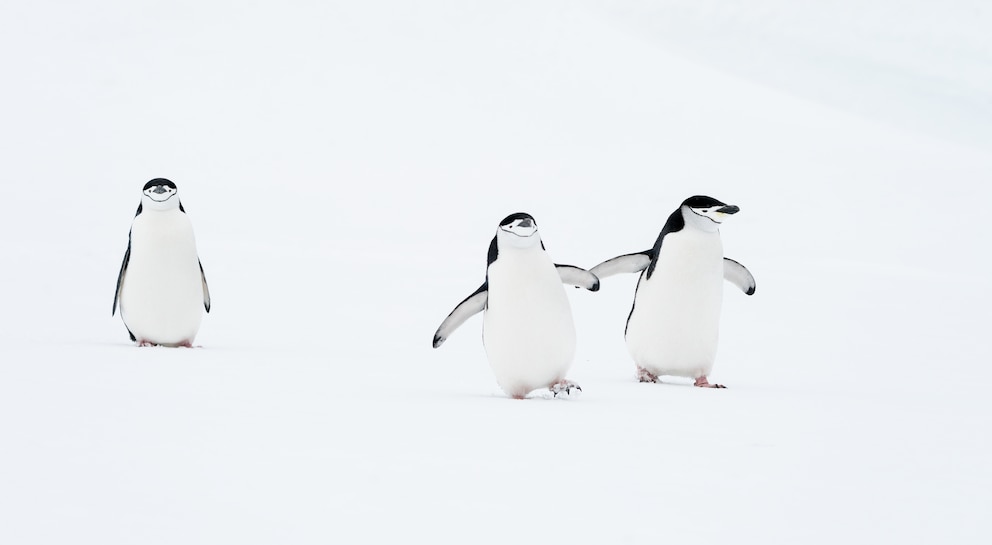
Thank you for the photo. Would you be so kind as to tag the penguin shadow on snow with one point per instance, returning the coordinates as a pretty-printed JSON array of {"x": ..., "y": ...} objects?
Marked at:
[
  {"x": 161, "y": 288},
  {"x": 674, "y": 321},
  {"x": 528, "y": 331}
]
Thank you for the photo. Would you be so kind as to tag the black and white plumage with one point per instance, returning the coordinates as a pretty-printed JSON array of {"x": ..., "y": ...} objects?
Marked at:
[
  {"x": 528, "y": 330},
  {"x": 673, "y": 325},
  {"x": 161, "y": 288}
]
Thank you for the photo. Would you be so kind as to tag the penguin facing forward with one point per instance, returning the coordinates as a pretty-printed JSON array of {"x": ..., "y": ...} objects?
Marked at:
[
  {"x": 528, "y": 332},
  {"x": 161, "y": 289},
  {"x": 674, "y": 323}
]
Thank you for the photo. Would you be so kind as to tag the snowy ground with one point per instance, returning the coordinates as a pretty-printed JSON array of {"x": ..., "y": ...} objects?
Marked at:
[{"x": 345, "y": 166}]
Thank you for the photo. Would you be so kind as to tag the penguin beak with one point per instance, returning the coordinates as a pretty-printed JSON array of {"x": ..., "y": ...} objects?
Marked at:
[
  {"x": 526, "y": 222},
  {"x": 729, "y": 209},
  {"x": 159, "y": 189}
]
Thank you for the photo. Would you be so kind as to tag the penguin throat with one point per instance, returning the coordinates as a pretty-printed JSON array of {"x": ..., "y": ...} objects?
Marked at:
[
  {"x": 520, "y": 242},
  {"x": 701, "y": 222},
  {"x": 167, "y": 204}
]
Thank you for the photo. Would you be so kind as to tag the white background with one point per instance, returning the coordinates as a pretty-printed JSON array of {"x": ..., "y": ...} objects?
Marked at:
[{"x": 345, "y": 165}]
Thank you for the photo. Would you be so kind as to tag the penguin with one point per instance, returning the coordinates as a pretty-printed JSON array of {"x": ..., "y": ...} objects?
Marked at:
[
  {"x": 674, "y": 322},
  {"x": 528, "y": 332},
  {"x": 161, "y": 285}
]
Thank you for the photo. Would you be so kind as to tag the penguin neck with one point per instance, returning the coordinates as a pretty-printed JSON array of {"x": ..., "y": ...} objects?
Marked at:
[
  {"x": 526, "y": 252},
  {"x": 170, "y": 205},
  {"x": 513, "y": 252},
  {"x": 513, "y": 243},
  {"x": 521, "y": 268}
]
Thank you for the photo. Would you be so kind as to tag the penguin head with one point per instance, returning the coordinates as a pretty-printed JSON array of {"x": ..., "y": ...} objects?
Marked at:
[
  {"x": 160, "y": 194},
  {"x": 706, "y": 213},
  {"x": 518, "y": 231}
]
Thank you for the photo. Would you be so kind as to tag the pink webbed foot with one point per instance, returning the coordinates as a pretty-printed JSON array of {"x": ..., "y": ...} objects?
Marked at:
[
  {"x": 146, "y": 343},
  {"x": 564, "y": 386},
  {"x": 643, "y": 375},
  {"x": 701, "y": 382}
]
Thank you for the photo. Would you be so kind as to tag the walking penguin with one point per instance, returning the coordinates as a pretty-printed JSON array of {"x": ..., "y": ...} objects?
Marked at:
[
  {"x": 528, "y": 332},
  {"x": 674, "y": 322}
]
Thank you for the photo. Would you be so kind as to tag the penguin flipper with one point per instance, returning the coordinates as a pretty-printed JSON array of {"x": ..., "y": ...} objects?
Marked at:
[
  {"x": 738, "y": 275},
  {"x": 206, "y": 290},
  {"x": 472, "y": 305},
  {"x": 578, "y": 277},
  {"x": 120, "y": 277},
  {"x": 629, "y": 263}
]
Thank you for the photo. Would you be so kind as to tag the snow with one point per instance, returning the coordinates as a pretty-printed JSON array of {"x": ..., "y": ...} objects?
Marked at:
[{"x": 344, "y": 166}]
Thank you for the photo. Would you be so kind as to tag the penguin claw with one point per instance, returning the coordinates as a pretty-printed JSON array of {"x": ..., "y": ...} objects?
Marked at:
[
  {"x": 643, "y": 375},
  {"x": 702, "y": 382},
  {"x": 564, "y": 386}
]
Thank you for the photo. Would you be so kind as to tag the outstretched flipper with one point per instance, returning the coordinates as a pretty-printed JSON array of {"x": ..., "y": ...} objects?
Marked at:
[
  {"x": 629, "y": 263},
  {"x": 472, "y": 305},
  {"x": 206, "y": 290},
  {"x": 578, "y": 277},
  {"x": 738, "y": 275},
  {"x": 120, "y": 279}
]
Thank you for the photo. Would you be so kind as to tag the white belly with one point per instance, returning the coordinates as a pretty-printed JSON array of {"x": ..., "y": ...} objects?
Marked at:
[
  {"x": 674, "y": 326},
  {"x": 162, "y": 293},
  {"x": 527, "y": 329}
]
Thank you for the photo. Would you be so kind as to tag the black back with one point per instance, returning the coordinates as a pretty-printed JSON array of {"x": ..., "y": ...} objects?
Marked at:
[
  {"x": 493, "y": 252},
  {"x": 674, "y": 224}
]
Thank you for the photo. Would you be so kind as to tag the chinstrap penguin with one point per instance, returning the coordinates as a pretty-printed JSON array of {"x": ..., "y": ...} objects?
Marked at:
[
  {"x": 528, "y": 332},
  {"x": 161, "y": 288},
  {"x": 674, "y": 323}
]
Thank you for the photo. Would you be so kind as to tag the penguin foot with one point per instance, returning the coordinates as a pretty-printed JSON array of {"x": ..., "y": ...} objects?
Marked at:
[
  {"x": 643, "y": 375},
  {"x": 564, "y": 386},
  {"x": 701, "y": 382},
  {"x": 184, "y": 344}
]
